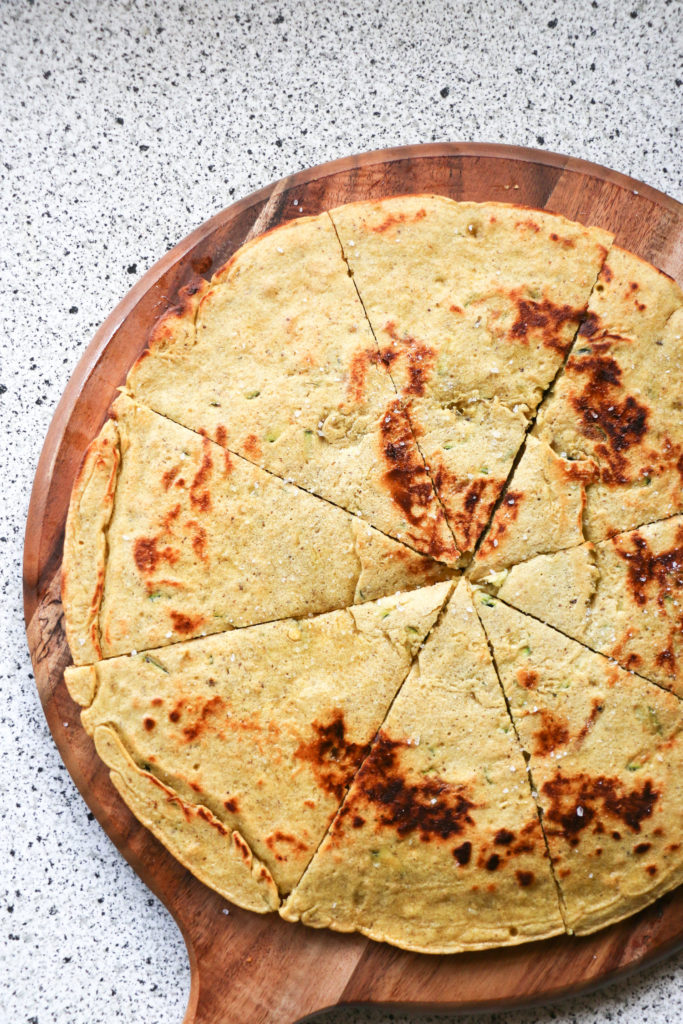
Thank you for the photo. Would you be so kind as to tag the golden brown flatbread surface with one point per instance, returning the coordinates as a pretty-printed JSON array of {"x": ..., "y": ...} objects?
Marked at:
[{"x": 373, "y": 580}]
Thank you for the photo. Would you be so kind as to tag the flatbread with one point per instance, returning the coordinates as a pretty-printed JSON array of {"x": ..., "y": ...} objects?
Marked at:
[
  {"x": 438, "y": 846},
  {"x": 375, "y": 402},
  {"x": 169, "y": 536},
  {"x": 274, "y": 360},
  {"x": 605, "y": 753},
  {"x": 622, "y": 597},
  {"x": 255, "y": 732},
  {"x": 618, "y": 402},
  {"x": 474, "y": 307}
]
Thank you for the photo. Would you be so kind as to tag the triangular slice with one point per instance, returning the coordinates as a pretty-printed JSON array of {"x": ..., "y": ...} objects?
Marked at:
[
  {"x": 438, "y": 846},
  {"x": 274, "y": 359},
  {"x": 618, "y": 401},
  {"x": 606, "y": 756},
  {"x": 541, "y": 511},
  {"x": 255, "y": 732},
  {"x": 474, "y": 307},
  {"x": 169, "y": 536},
  {"x": 622, "y": 597}
]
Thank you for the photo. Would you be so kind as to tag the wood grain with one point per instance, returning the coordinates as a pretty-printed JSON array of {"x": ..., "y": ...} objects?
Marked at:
[{"x": 252, "y": 969}]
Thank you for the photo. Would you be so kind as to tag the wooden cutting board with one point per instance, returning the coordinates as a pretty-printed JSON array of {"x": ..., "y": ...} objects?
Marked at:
[{"x": 248, "y": 968}]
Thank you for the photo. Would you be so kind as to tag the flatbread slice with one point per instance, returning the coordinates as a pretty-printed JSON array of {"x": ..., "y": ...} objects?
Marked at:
[
  {"x": 622, "y": 597},
  {"x": 618, "y": 402},
  {"x": 541, "y": 511},
  {"x": 257, "y": 732},
  {"x": 274, "y": 360},
  {"x": 474, "y": 307},
  {"x": 169, "y": 536},
  {"x": 438, "y": 847},
  {"x": 606, "y": 755}
]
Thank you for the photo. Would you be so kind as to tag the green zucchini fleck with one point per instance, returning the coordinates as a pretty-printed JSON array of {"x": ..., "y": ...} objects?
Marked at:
[
  {"x": 654, "y": 720},
  {"x": 151, "y": 660}
]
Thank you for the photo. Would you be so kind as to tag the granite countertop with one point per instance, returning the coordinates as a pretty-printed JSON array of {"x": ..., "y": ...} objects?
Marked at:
[{"x": 124, "y": 126}]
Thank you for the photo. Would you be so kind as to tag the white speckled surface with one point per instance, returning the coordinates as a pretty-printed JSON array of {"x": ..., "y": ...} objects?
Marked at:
[{"x": 125, "y": 125}]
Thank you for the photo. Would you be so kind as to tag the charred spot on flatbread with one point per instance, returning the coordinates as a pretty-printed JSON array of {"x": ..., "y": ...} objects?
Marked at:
[
  {"x": 434, "y": 808},
  {"x": 655, "y": 578},
  {"x": 580, "y": 800},
  {"x": 200, "y": 492},
  {"x": 552, "y": 733},
  {"x": 148, "y": 555},
  {"x": 544, "y": 319},
  {"x": 527, "y": 677},
  {"x": 420, "y": 359},
  {"x": 408, "y": 482},
  {"x": 195, "y": 716},
  {"x": 394, "y": 220},
  {"x": 616, "y": 422},
  {"x": 332, "y": 756},
  {"x": 281, "y": 843}
]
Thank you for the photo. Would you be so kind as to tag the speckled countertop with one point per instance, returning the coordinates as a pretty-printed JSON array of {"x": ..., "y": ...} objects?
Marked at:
[{"x": 124, "y": 126}]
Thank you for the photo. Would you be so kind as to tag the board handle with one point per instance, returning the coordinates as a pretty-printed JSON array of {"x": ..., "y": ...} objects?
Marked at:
[{"x": 252, "y": 968}]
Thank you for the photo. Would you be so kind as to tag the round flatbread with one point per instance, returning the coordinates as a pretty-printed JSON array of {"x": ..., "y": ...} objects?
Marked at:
[{"x": 372, "y": 581}]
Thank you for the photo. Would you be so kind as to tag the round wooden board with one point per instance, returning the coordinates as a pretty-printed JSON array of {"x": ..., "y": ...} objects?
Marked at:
[{"x": 258, "y": 969}]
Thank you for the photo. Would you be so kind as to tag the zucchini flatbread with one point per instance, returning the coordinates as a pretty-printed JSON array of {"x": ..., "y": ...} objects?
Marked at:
[
  {"x": 373, "y": 580},
  {"x": 256, "y": 732}
]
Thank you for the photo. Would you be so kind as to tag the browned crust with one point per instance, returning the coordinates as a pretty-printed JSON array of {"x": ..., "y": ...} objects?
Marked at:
[
  {"x": 548, "y": 215},
  {"x": 85, "y": 544},
  {"x": 216, "y": 854}
]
